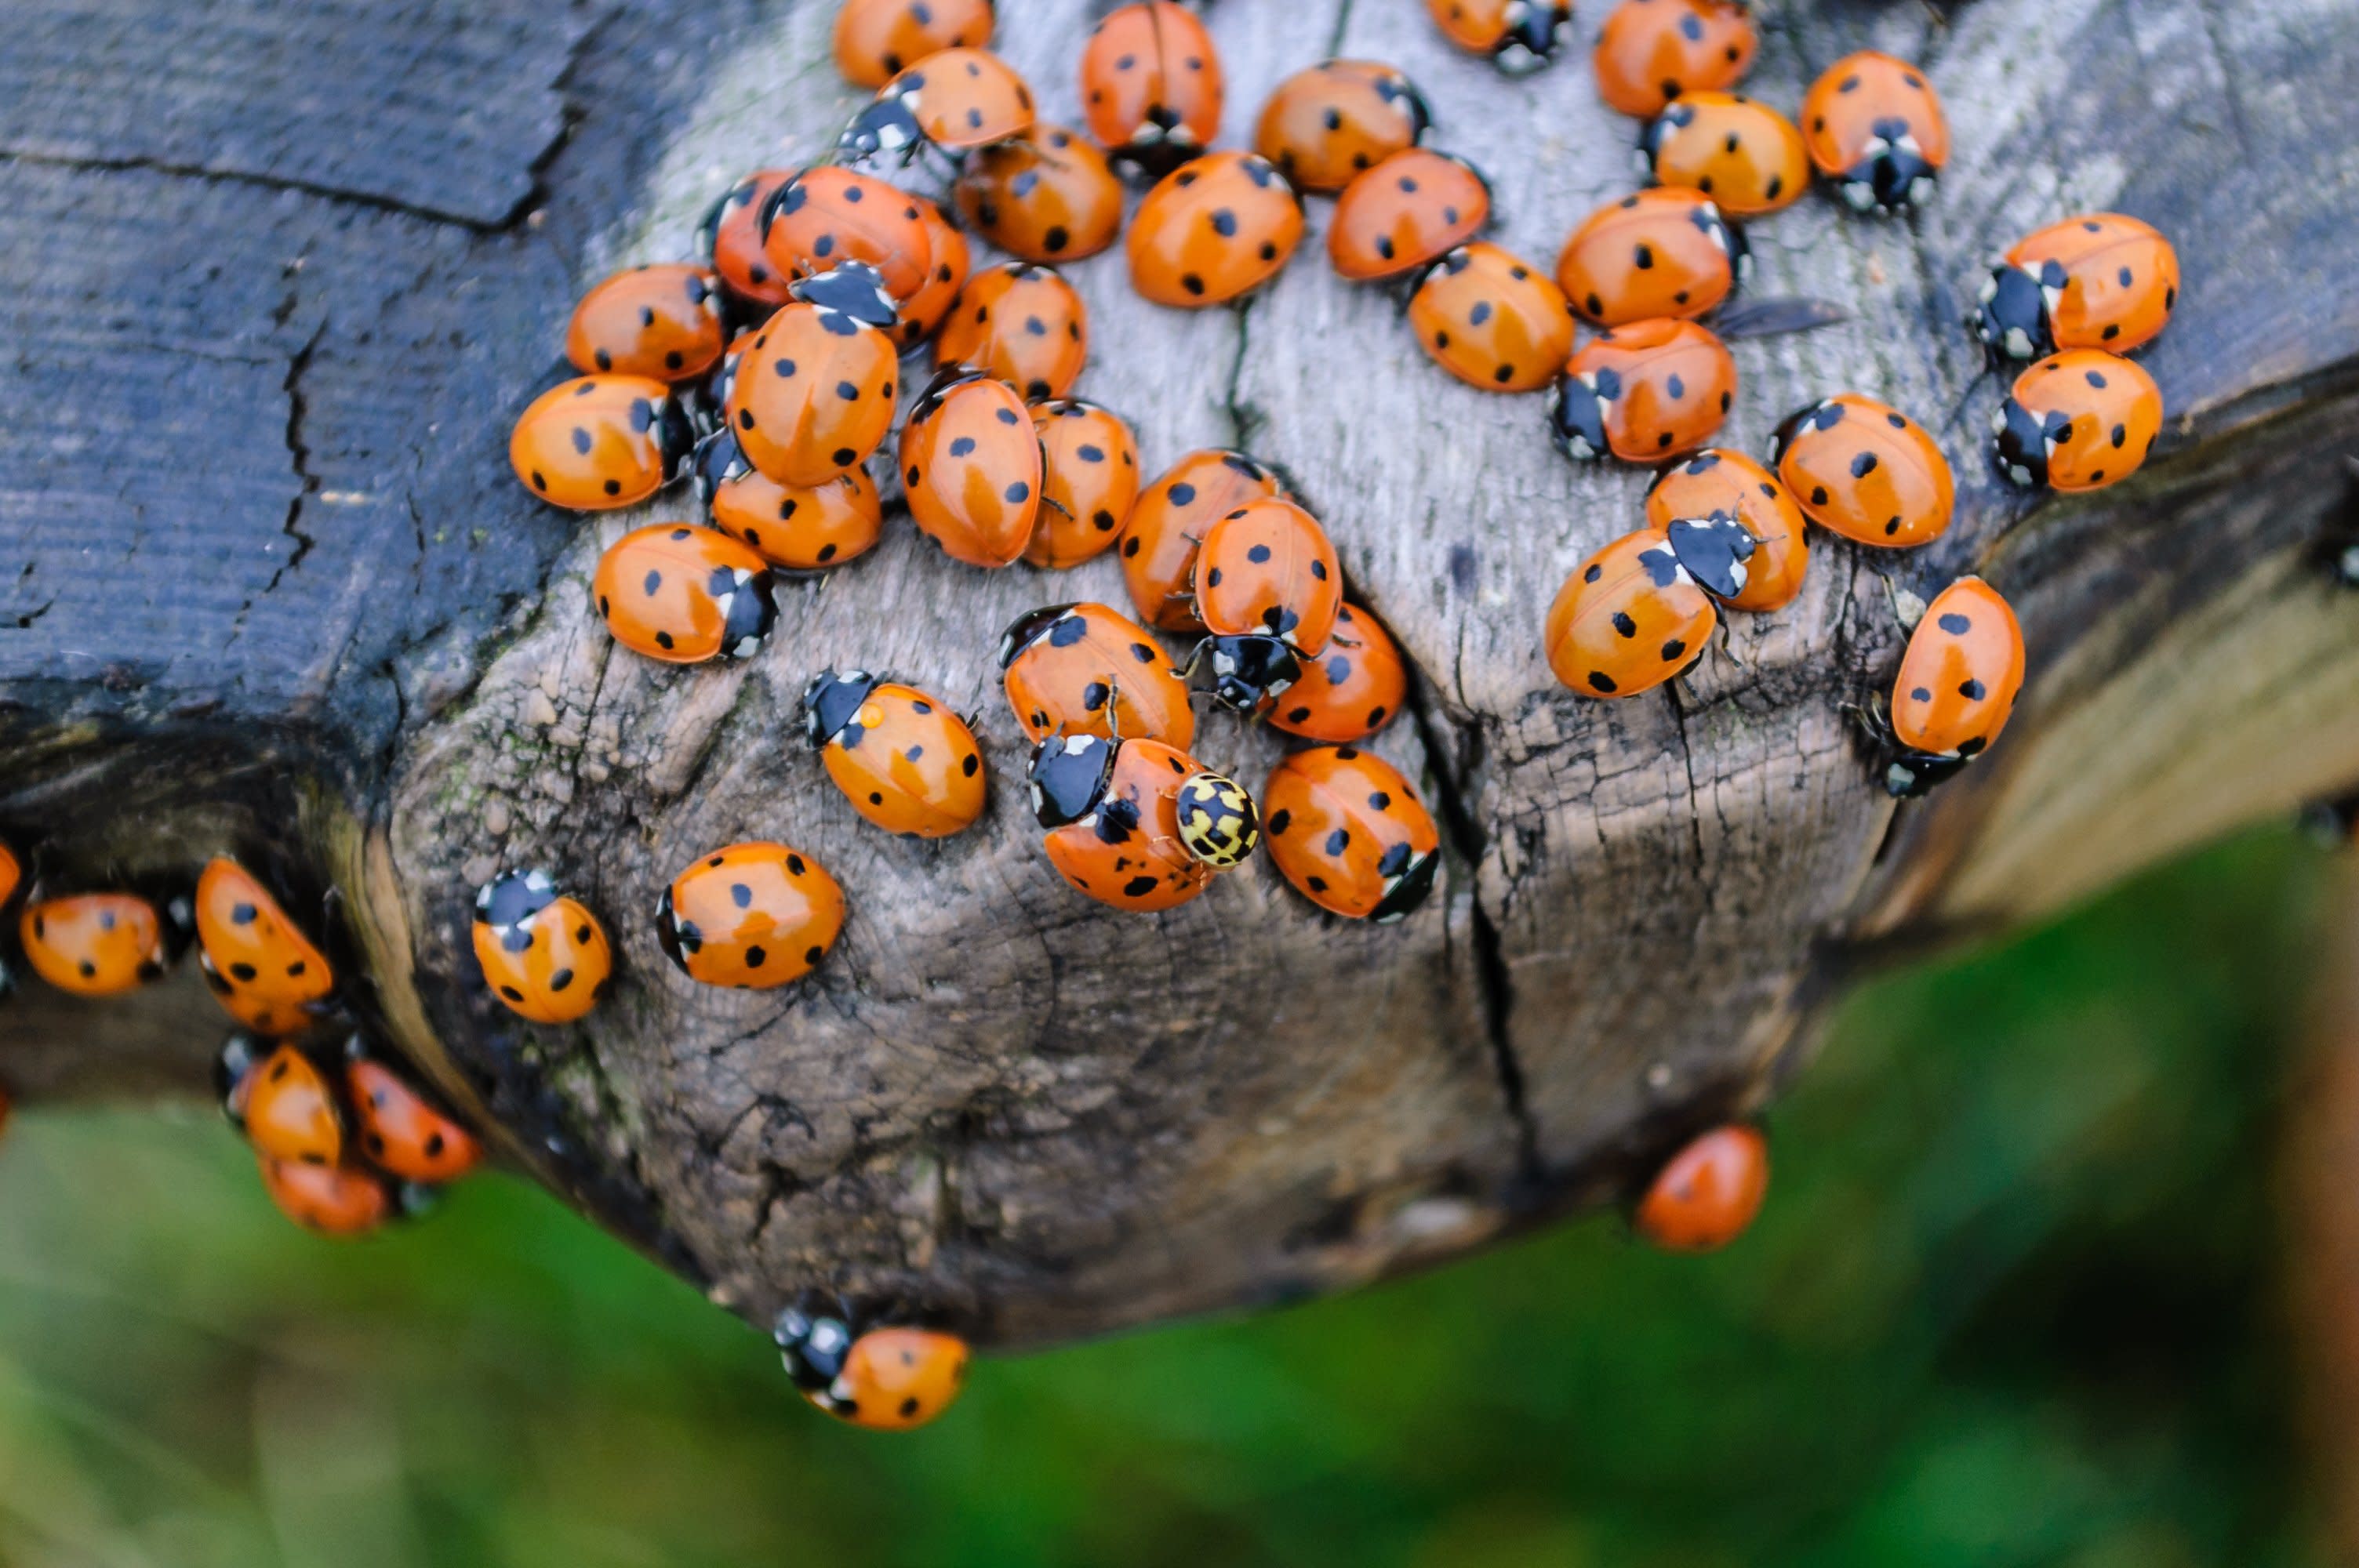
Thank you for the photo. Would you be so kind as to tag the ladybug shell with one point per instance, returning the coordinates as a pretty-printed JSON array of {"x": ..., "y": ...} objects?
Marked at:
[
  {"x": 1491, "y": 320},
  {"x": 964, "y": 98},
  {"x": 875, "y": 39},
  {"x": 1658, "y": 389},
  {"x": 261, "y": 968},
  {"x": 1521, "y": 34},
  {"x": 1958, "y": 680},
  {"x": 1651, "y": 51},
  {"x": 1660, "y": 253},
  {"x": 1866, "y": 471},
  {"x": 684, "y": 595},
  {"x": 1706, "y": 1197},
  {"x": 1718, "y": 481},
  {"x": 12, "y": 874},
  {"x": 1411, "y": 210},
  {"x": 973, "y": 466},
  {"x": 1046, "y": 196},
  {"x": 1151, "y": 85},
  {"x": 2119, "y": 281},
  {"x": 1743, "y": 154},
  {"x": 404, "y": 1135},
  {"x": 331, "y": 1200},
  {"x": 1160, "y": 537},
  {"x": 659, "y": 321},
  {"x": 826, "y": 216},
  {"x": 1127, "y": 854},
  {"x": 1351, "y": 690},
  {"x": 1089, "y": 480},
  {"x": 1063, "y": 666},
  {"x": 544, "y": 957},
  {"x": 1212, "y": 229},
  {"x": 923, "y": 313},
  {"x": 93, "y": 943},
  {"x": 813, "y": 395},
  {"x": 894, "y": 1378},
  {"x": 1268, "y": 569},
  {"x": 908, "y": 763},
  {"x": 1021, "y": 323},
  {"x": 2079, "y": 420},
  {"x": 799, "y": 527},
  {"x": 1628, "y": 619},
  {"x": 751, "y": 916},
  {"x": 1325, "y": 125},
  {"x": 290, "y": 1111},
  {"x": 732, "y": 235},
  {"x": 1874, "y": 124},
  {"x": 595, "y": 443},
  {"x": 1348, "y": 831}
]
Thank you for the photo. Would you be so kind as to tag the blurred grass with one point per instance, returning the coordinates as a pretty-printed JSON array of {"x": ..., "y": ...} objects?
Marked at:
[{"x": 2012, "y": 1303}]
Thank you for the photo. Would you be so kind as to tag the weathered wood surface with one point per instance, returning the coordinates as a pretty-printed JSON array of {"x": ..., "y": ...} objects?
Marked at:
[{"x": 278, "y": 588}]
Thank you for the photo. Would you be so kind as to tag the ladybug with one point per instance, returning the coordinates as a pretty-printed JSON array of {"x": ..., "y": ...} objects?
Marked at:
[
  {"x": 1022, "y": 323},
  {"x": 888, "y": 1379},
  {"x": 1326, "y": 125},
  {"x": 1159, "y": 538},
  {"x": 233, "y": 1066},
  {"x": 684, "y": 595},
  {"x": 1521, "y": 36},
  {"x": 289, "y": 1112},
  {"x": 2100, "y": 281},
  {"x": 94, "y": 943},
  {"x": 1046, "y": 196},
  {"x": 875, "y": 39},
  {"x": 1873, "y": 125},
  {"x": 1647, "y": 392},
  {"x": 1088, "y": 483},
  {"x": 1112, "y": 812},
  {"x": 1637, "y": 612},
  {"x": 751, "y": 916},
  {"x": 1491, "y": 320},
  {"x": 544, "y": 954},
  {"x": 1409, "y": 211},
  {"x": 1151, "y": 85},
  {"x": 599, "y": 442},
  {"x": 798, "y": 527},
  {"x": 730, "y": 236},
  {"x": 1743, "y": 154},
  {"x": 1083, "y": 669},
  {"x": 923, "y": 313},
  {"x": 1717, "y": 481},
  {"x": 1214, "y": 230},
  {"x": 662, "y": 322},
  {"x": 1348, "y": 831},
  {"x": 12, "y": 874},
  {"x": 1349, "y": 692},
  {"x": 904, "y": 760},
  {"x": 953, "y": 101},
  {"x": 1956, "y": 688},
  {"x": 331, "y": 1200},
  {"x": 823, "y": 217},
  {"x": 1708, "y": 1193},
  {"x": 1866, "y": 471},
  {"x": 1268, "y": 589},
  {"x": 2077, "y": 420},
  {"x": 812, "y": 395},
  {"x": 971, "y": 465},
  {"x": 1660, "y": 253},
  {"x": 1653, "y": 51},
  {"x": 401, "y": 1132},
  {"x": 262, "y": 970}
]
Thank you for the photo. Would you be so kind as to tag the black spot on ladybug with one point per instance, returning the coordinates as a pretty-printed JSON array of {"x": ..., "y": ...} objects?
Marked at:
[
  {"x": 1955, "y": 624},
  {"x": 755, "y": 958},
  {"x": 1592, "y": 574},
  {"x": 1008, "y": 417},
  {"x": 1601, "y": 681},
  {"x": 1817, "y": 495},
  {"x": 1139, "y": 887},
  {"x": 970, "y": 763},
  {"x": 1673, "y": 649},
  {"x": 1862, "y": 465},
  {"x": 844, "y": 457},
  {"x": 1316, "y": 885},
  {"x": 1339, "y": 840},
  {"x": 1623, "y": 624},
  {"x": 812, "y": 955},
  {"x": 1192, "y": 282},
  {"x": 1056, "y": 239},
  {"x": 2096, "y": 381},
  {"x": 243, "y": 971},
  {"x": 1971, "y": 690},
  {"x": 1018, "y": 493},
  {"x": 663, "y": 640}
]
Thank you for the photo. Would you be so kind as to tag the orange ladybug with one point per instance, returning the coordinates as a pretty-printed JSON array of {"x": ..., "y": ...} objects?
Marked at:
[
  {"x": 1660, "y": 253},
  {"x": 261, "y": 968},
  {"x": 1491, "y": 320},
  {"x": 1083, "y": 669},
  {"x": 953, "y": 101},
  {"x": 1349, "y": 692},
  {"x": 1045, "y": 196},
  {"x": 290, "y": 1111},
  {"x": 1645, "y": 393},
  {"x": 823, "y": 217},
  {"x": 1325, "y": 125},
  {"x": 401, "y": 1132},
  {"x": 1214, "y": 230},
  {"x": 730, "y": 238},
  {"x": 1717, "y": 481},
  {"x": 812, "y": 395},
  {"x": 1956, "y": 687},
  {"x": 752, "y": 916},
  {"x": 1407, "y": 211},
  {"x": 1653, "y": 51},
  {"x": 1088, "y": 484},
  {"x": 1866, "y": 471},
  {"x": 1022, "y": 323},
  {"x": 684, "y": 595},
  {"x": 1875, "y": 127},
  {"x": 599, "y": 442},
  {"x": 663, "y": 322},
  {"x": 2099, "y": 281},
  {"x": 875, "y": 39},
  {"x": 330, "y": 1200},
  {"x": 1115, "y": 819},
  {"x": 12, "y": 874},
  {"x": 888, "y": 1379},
  {"x": 1151, "y": 85},
  {"x": 543, "y": 953},
  {"x": 971, "y": 465},
  {"x": 902, "y": 757},
  {"x": 1347, "y": 830},
  {"x": 1707, "y": 1195},
  {"x": 1521, "y": 36},
  {"x": 96, "y": 944},
  {"x": 799, "y": 527},
  {"x": 2077, "y": 420},
  {"x": 1159, "y": 537},
  {"x": 1743, "y": 154},
  {"x": 1268, "y": 589},
  {"x": 923, "y": 313},
  {"x": 1636, "y": 613}
]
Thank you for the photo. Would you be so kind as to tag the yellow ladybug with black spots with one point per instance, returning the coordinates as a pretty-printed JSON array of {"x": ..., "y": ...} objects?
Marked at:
[{"x": 1218, "y": 823}]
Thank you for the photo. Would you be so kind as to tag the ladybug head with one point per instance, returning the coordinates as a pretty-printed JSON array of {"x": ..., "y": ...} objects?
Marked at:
[
  {"x": 813, "y": 1342},
  {"x": 1824, "y": 415},
  {"x": 512, "y": 897},
  {"x": 1894, "y": 177},
  {"x": 2012, "y": 319},
  {"x": 1716, "y": 551},
  {"x": 2022, "y": 442},
  {"x": 717, "y": 461},
  {"x": 831, "y": 706},
  {"x": 682, "y": 420},
  {"x": 1577, "y": 414},
  {"x": 1249, "y": 668},
  {"x": 851, "y": 288},
  {"x": 1069, "y": 775},
  {"x": 1408, "y": 880},
  {"x": 1533, "y": 39},
  {"x": 748, "y": 610},
  {"x": 1031, "y": 626},
  {"x": 236, "y": 1059},
  {"x": 887, "y": 126}
]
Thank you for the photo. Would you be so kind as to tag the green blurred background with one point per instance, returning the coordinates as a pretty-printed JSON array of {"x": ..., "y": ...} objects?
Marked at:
[{"x": 2016, "y": 1299}]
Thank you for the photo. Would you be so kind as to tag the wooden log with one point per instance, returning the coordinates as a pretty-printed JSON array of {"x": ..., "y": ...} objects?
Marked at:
[{"x": 278, "y": 593}]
